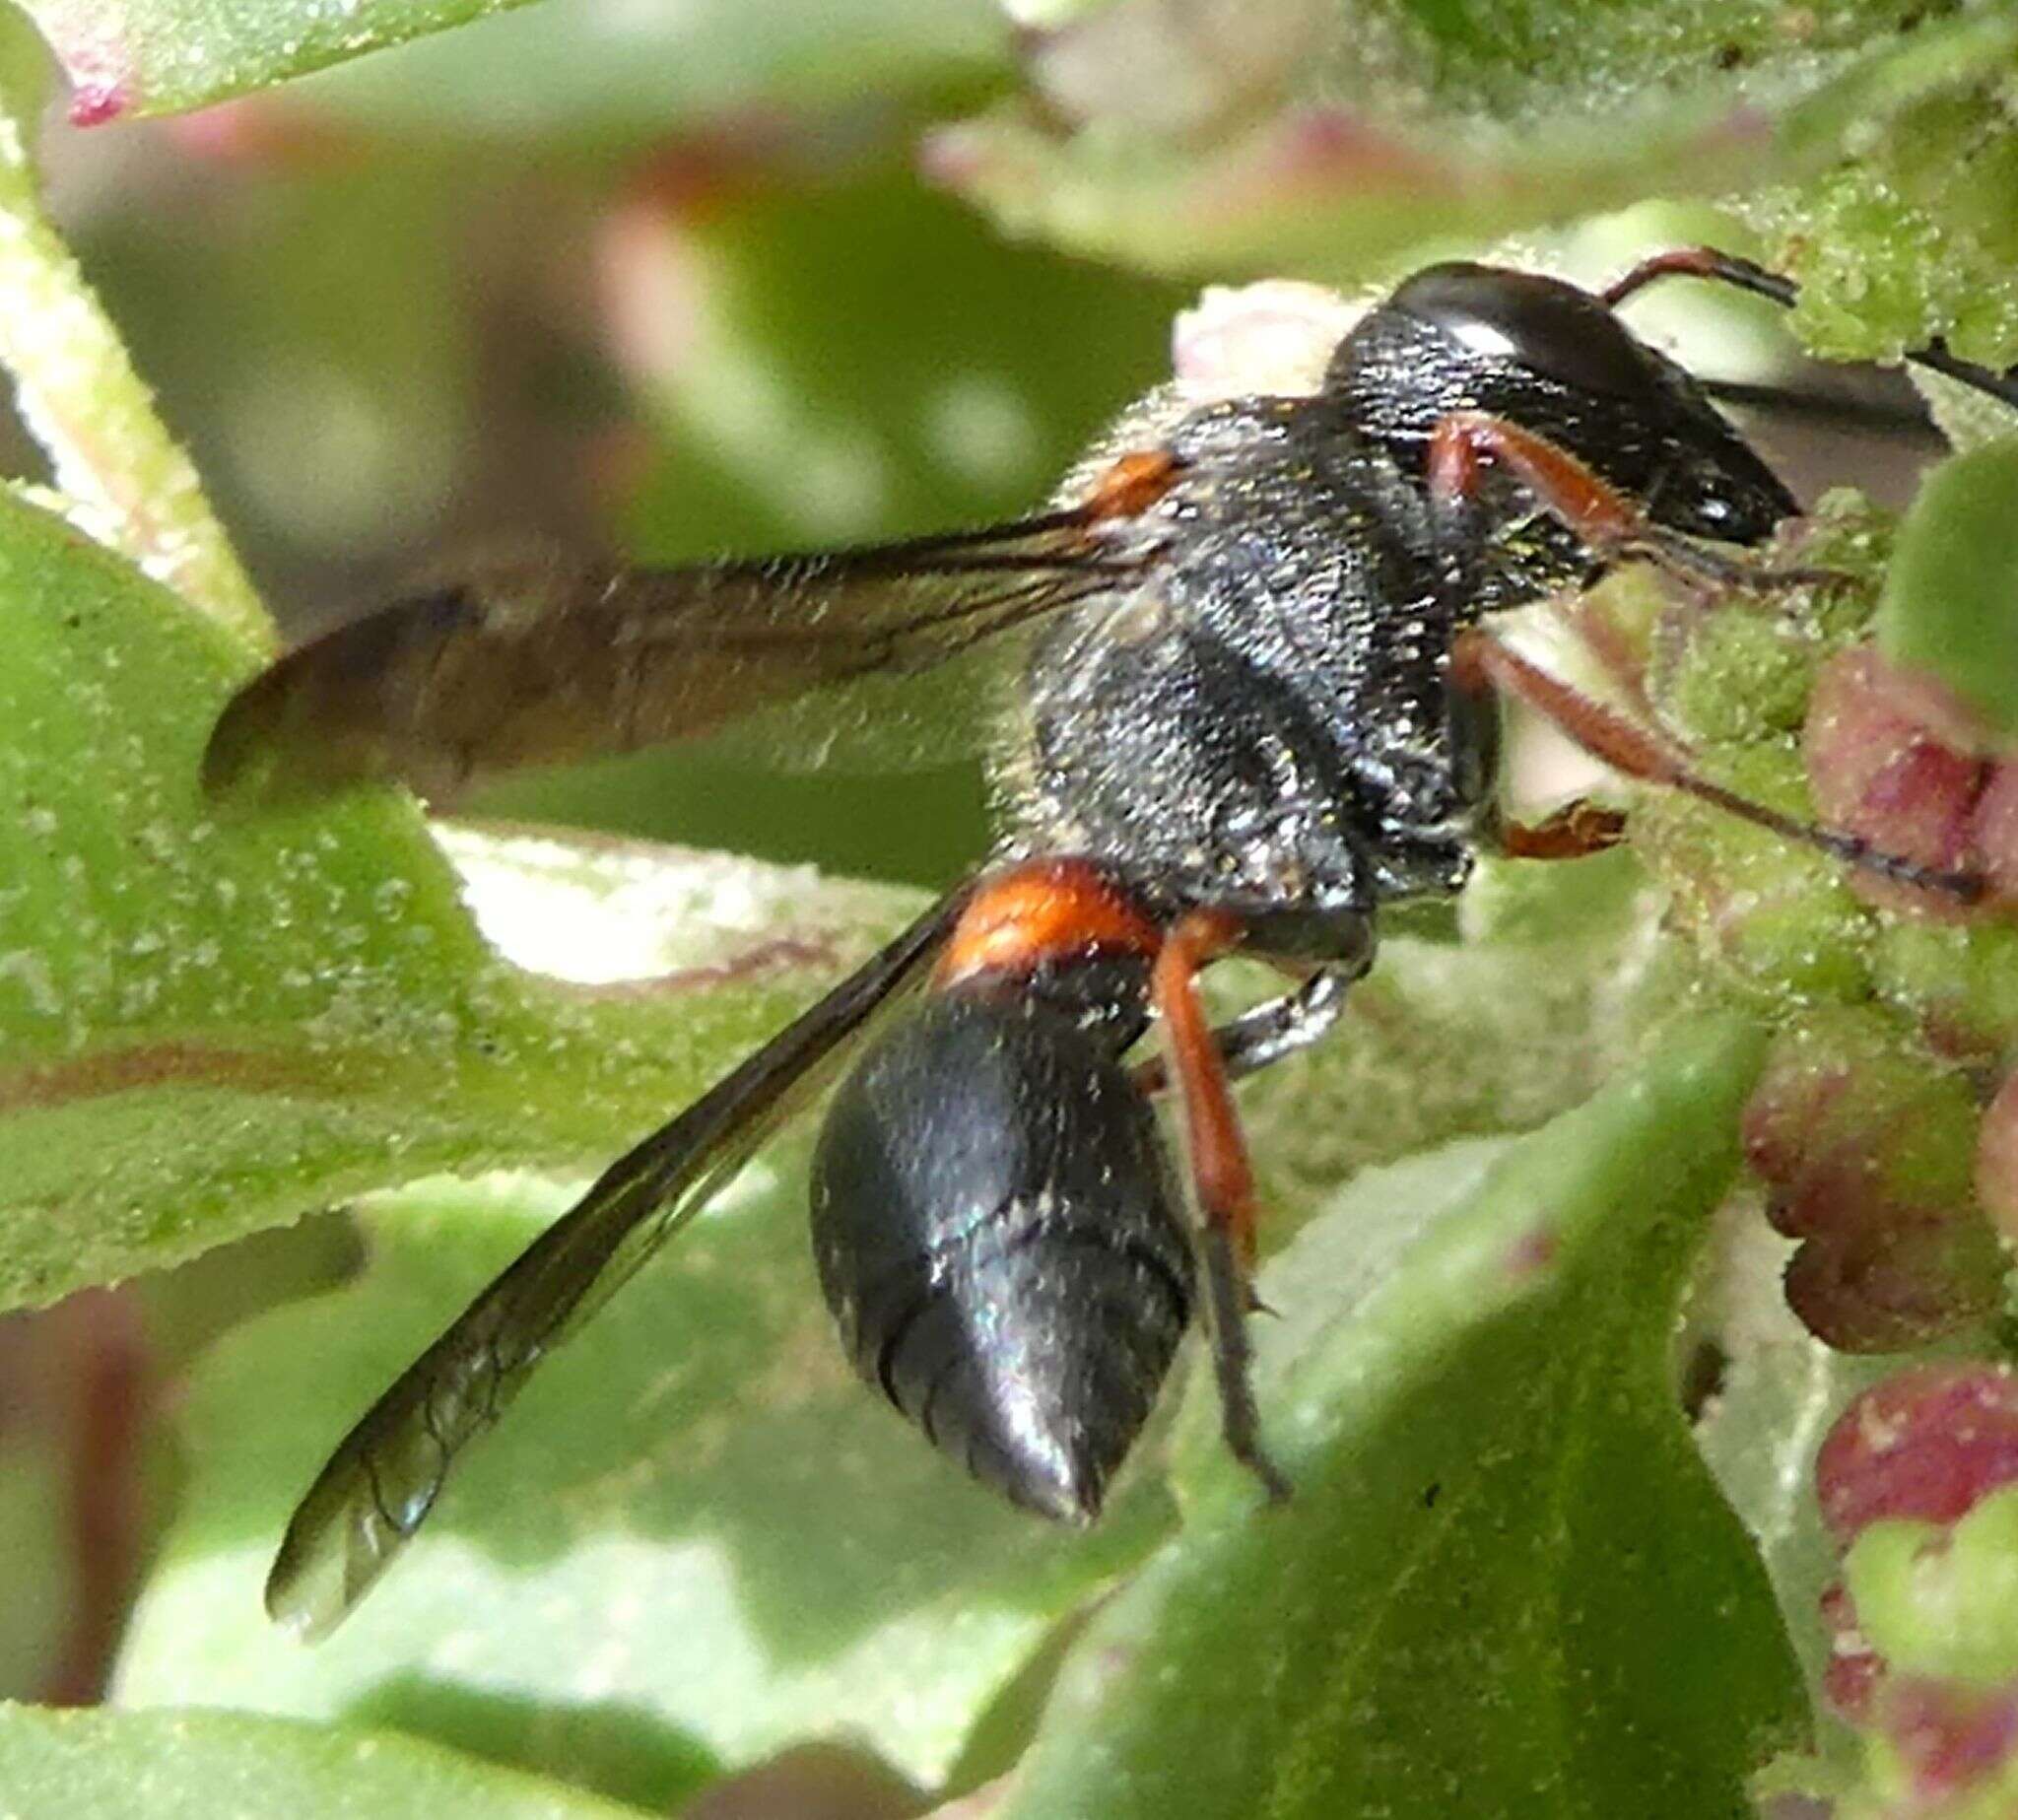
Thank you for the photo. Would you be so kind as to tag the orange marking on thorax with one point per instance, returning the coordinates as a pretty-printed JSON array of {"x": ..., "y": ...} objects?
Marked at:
[
  {"x": 1040, "y": 910},
  {"x": 1132, "y": 485}
]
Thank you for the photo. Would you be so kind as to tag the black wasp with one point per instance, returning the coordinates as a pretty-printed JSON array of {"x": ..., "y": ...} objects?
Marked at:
[{"x": 1253, "y": 701}]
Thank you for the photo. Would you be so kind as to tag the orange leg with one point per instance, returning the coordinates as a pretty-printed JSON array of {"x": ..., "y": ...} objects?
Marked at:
[
  {"x": 1478, "y": 657},
  {"x": 1465, "y": 443},
  {"x": 1223, "y": 1181},
  {"x": 1574, "y": 831},
  {"x": 1216, "y": 1150}
]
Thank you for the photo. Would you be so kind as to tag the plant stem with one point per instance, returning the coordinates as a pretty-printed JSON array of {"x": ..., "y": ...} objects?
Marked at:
[{"x": 123, "y": 478}]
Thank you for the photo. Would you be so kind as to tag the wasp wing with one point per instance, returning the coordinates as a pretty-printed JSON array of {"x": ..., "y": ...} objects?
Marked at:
[
  {"x": 386, "y": 1476},
  {"x": 549, "y": 659}
]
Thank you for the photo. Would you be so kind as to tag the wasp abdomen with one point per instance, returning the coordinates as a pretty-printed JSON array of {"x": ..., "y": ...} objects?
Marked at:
[{"x": 998, "y": 1234}]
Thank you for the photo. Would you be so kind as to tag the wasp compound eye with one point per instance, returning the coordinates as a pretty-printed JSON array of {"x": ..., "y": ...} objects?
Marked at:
[
  {"x": 1542, "y": 323},
  {"x": 994, "y": 1223}
]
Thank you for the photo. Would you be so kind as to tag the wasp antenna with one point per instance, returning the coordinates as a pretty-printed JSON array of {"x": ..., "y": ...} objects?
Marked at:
[{"x": 1723, "y": 268}]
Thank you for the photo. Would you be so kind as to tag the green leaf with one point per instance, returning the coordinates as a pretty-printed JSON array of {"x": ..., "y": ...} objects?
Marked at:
[
  {"x": 224, "y": 1766},
  {"x": 1251, "y": 137},
  {"x": 208, "y": 1027},
  {"x": 155, "y": 56},
  {"x": 697, "y": 1539},
  {"x": 1946, "y": 605},
  {"x": 1781, "y": 1390},
  {"x": 1968, "y": 418},
  {"x": 1900, "y": 230},
  {"x": 567, "y": 66},
  {"x": 604, "y": 71},
  {"x": 119, "y": 477},
  {"x": 1542, "y": 1004},
  {"x": 1505, "y": 1581},
  {"x": 1314, "y": 193}
]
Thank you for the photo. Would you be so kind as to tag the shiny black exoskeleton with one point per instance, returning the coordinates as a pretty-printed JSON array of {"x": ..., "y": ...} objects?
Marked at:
[
  {"x": 1256, "y": 710},
  {"x": 1000, "y": 1237}
]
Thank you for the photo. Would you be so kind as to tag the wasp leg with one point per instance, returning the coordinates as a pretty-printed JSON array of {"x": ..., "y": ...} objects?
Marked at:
[
  {"x": 1465, "y": 443},
  {"x": 1263, "y": 1034},
  {"x": 1478, "y": 658},
  {"x": 1572, "y": 832},
  {"x": 1222, "y": 1178}
]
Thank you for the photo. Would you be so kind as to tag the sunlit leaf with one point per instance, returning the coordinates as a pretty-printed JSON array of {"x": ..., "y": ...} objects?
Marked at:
[
  {"x": 1946, "y": 608},
  {"x": 118, "y": 474},
  {"x": 1505, "y": 1579},
  {"x": 209, "y": 1026},
  {"x": 697, "y": 1538},
  {"x": 224, "y": 1766},
  {"x": 1759, "y": 1435}
]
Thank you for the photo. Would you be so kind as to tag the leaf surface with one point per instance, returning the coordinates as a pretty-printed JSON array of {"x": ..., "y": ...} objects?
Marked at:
[
  {"x": 90, "y": 1765},
  {"x": 207, "y": 1026},
  {"x": 1506, "y": 1580},
  {"x": 697, "y": 1538},
  {"x": 566, "y": 64},
  {"x": 1946, "y": 605}
]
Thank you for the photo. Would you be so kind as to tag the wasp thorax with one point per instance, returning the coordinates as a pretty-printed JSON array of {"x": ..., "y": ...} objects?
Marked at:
[{"x": 998, "y": 1234}]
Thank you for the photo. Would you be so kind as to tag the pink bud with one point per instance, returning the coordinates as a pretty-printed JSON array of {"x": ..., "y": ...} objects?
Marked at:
[
  {"x": 1997, "y": 1159},
  {"x": 1850, "y": 1681},
  {"x": 1927, "y": 1444},
  {"x": 1950, "y": 1737},
  {"x": 1879, "y": 771}
]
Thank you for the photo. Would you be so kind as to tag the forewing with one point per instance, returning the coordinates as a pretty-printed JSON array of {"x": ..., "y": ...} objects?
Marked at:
[
  {"x": 386, "y": 1476},
  {"x": 547, "y": 660}
]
